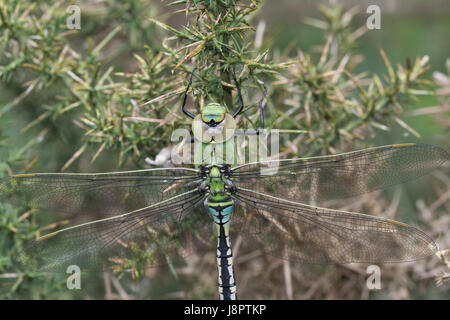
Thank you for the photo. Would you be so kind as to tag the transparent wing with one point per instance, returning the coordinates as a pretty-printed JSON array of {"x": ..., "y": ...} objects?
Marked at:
[
  {"x": 340, "y": 176},
  {"x": 162, "y": 232},
  {"x": 106, "y": 193},
  {"x": 309, "y": 234}
]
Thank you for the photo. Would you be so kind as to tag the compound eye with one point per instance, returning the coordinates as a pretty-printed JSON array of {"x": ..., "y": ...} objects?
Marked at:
[
  {"x": 208, "y": 118},
  {"x": 201, "y": 133}
]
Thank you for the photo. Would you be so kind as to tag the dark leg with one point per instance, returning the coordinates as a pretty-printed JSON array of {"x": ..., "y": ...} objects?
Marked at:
[
  {"x": 190, "y": 115},
  {"x": 241, "y": 101},
  {"x": 261, "y": 106}
]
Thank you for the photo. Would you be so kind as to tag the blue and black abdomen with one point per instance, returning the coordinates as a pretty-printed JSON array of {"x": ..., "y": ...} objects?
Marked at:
[{"x": 221, "y": 211}]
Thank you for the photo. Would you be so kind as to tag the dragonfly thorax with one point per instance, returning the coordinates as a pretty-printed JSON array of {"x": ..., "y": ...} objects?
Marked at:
[{"x": 216, "y": 181}]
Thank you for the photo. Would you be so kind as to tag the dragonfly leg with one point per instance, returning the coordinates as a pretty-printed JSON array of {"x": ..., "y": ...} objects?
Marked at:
[
  {"x": 261, "y": 114},
  {"x": 190, "y": 115},
  {"x": 241, "y": 101}
]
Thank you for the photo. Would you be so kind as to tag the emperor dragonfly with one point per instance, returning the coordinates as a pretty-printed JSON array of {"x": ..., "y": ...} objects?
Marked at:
[{"x": 161, "y": 204}]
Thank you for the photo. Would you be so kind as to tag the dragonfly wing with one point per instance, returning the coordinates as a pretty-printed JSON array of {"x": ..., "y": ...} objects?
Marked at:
[
  {"x": 106, "y": 193},
  {"x": 161, "y": 232},
  {"x": 309, "y": 234},
  {"x": 340, "y": 176}
]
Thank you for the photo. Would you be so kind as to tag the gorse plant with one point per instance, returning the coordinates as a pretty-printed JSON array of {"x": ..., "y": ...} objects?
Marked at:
[
  {"x": 71, "y": 98},
  {"x": 130, "y": 112}
]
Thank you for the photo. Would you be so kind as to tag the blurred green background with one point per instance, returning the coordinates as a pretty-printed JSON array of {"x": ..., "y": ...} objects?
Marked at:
[{"x": 408, "y": 29}]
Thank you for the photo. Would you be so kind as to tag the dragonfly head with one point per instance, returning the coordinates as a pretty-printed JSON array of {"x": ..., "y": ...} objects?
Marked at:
[
  {"x": 213, "y": 114},
  {"x": 214, "y": 124}
]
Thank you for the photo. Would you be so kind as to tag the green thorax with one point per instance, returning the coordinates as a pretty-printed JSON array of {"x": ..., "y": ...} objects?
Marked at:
[{"x": 217, "y": 185}]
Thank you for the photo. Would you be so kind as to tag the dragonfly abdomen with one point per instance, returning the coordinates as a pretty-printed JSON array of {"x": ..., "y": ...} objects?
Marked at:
[{"x": 221, "y": 212}]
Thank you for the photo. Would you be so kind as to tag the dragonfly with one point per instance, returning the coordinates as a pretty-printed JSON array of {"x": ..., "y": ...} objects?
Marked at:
[{"x": 168, "y": 212}]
